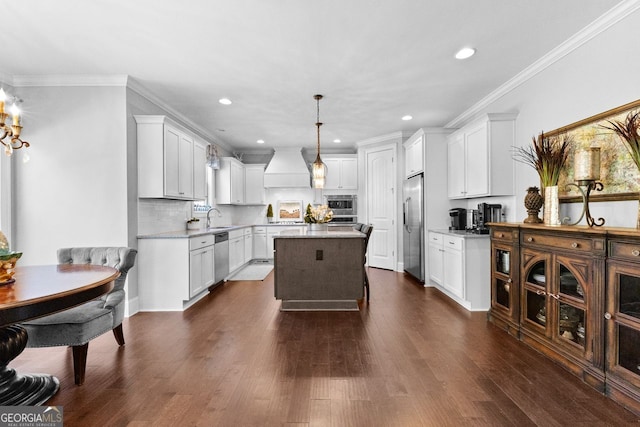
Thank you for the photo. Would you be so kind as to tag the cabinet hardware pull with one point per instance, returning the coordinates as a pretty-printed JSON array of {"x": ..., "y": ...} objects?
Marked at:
[
  {"x": 541, "y": 292},
  {"x": 499, "y": 234},
  {"x": 530, "y": 239},
  {"x": 509, "y": 281},
  {"x": 554, "y": 296},
  {"x": 607, "y": 316},
  {"x": 574, "y": 245},
  {"x": 635, "y": 252}
]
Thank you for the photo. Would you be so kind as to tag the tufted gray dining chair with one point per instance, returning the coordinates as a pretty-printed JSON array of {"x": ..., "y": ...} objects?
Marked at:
[{"x": 79, "y": 325}]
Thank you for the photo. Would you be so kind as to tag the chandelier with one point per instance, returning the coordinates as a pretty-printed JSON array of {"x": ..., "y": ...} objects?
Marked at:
[
  {"x": 12, "y": 132},
  {"x": 318, "y": 169}
]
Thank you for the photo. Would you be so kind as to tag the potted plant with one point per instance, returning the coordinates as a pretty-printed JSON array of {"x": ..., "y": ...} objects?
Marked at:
[
  {"x": 629, "y": 132},
  {"x": 547, "y": 155},
  {"x": 193, "y": 224},
  {"x": 269, "y": 213}
]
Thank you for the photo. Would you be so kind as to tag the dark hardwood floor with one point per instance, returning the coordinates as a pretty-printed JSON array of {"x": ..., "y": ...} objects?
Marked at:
[{"x": 411, "y": 357}]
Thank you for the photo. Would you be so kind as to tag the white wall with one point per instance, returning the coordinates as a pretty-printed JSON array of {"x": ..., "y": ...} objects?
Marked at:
[
  {"x": 597, "y": 76},
  {"x": 73, "y": 191}
]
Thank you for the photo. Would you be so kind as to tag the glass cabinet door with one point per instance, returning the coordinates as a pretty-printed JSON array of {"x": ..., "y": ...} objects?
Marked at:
[
  {"x": 623, "y": 311},
  {"x": 502, "y": 285},
  {"x": 534, "y": 311},
  {"x": 570, "y": 307}
]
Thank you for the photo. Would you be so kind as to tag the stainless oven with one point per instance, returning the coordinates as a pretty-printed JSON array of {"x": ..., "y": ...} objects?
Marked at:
[{"x": 344, "y": 208}]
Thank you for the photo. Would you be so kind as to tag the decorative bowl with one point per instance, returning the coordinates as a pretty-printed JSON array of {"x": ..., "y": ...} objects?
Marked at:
[{"x": 8, "y": 260}]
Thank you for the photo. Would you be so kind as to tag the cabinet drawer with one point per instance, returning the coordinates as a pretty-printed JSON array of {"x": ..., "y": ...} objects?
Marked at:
[
  {"x": 504, "y": 234},
  {"x": 201, "y": 241},
  {"x": 435, "y": 239},
  {"x": 624, "y": 250},
  {"x": 234, "y": 234},
  {"x": 456, "y": 243},
  {"x": 260, "y": 230},
  {"x": 578, "y": 244},
  {"x": 247, "y": 231}
]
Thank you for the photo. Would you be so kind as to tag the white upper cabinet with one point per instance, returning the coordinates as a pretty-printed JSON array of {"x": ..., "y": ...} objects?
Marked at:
[
  {"x": 254, "y": 184},
  {"x": 342, "y": 172},
  {"x": 168, "y": 167},
  {"x": 199, "y": 170},
  {"x": 479, "y": 158},
  {"x": 414, "y": 154},
  {"x": 230, "y": 182},
  {"x": 239, "y": 184}
]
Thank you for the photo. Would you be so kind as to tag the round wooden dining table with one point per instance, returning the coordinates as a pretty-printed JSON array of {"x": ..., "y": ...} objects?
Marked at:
[{"x": 39, "y": 291}]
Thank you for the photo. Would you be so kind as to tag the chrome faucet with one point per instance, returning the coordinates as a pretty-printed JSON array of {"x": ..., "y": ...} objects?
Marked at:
[{"x": 209, "y": 219}]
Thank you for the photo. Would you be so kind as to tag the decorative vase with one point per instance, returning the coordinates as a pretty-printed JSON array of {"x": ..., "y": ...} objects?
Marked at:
[
  {"x": 533, "y": 201},
  {"x": 318, "y": 226},
  {"x": 551, "y": 206}
]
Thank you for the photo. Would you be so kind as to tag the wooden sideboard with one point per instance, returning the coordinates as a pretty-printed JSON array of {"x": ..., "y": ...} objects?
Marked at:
[{"x": 573, "y": 293}]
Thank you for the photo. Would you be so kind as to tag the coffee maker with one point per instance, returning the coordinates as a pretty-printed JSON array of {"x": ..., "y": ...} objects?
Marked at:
[
  {"x": 487, "y": 213},
  {"x": 458, "y": 219}
]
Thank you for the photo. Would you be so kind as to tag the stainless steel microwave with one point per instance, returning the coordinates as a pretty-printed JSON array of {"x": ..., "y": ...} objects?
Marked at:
[{"x": 342, "y": 204}]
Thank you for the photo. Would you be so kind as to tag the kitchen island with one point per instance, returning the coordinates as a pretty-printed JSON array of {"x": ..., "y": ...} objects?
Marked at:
[{"x": 319, "y": 270}]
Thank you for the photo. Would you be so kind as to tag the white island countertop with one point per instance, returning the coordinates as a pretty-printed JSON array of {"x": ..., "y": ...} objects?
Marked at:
[{"x": 331, "y": 233}]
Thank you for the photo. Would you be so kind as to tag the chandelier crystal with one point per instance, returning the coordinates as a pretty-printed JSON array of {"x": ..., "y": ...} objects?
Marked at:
[
  {"x": 12, "y": 132},
  {"x": 318, "y": 169}
]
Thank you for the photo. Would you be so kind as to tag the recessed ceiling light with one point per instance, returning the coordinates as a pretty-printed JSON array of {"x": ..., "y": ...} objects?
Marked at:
[
  {"x": 337, "y": 141},
  {"x": 465, "y": 52},
  {"x": 407, "y": 117},
  {"x": 224, "y": 101},
  {"x": 260, "y": 141}
]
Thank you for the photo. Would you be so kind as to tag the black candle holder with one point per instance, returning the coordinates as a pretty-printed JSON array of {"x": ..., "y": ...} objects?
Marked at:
[{"x": 585, "y": 187}]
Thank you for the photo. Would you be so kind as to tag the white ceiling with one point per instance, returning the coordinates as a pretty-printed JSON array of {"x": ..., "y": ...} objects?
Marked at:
[{"x": 373, "y": 60}]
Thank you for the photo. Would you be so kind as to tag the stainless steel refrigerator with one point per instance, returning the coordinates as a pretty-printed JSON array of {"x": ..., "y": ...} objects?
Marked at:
[{"x": 413, "y": 227}]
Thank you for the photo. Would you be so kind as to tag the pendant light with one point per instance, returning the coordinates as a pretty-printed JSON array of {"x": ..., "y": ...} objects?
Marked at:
[{"x": 318, "y": 169}]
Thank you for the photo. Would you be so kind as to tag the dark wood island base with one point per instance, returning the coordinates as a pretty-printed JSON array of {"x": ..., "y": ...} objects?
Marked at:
[{"x": 319, "y": 270}]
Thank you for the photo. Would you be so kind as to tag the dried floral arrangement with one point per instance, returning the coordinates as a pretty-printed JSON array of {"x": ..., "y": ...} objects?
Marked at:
[
  {"x": 547, "y": 155},
  {"x": 628, "y": 130}
]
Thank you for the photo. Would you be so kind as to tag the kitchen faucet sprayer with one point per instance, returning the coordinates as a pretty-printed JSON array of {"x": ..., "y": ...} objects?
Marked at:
[{"x": 208, "y": 217}]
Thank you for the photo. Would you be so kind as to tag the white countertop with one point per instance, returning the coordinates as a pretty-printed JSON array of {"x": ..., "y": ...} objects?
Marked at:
[
  {"x": 460, "y": 233},
  {"x": 305, "y": 233}
]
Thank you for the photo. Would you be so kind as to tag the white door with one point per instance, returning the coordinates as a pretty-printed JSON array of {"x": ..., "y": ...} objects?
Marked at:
[{"x": 381, "y": 206}]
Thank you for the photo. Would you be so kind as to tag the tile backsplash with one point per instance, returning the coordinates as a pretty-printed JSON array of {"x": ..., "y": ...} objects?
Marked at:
[{"x": 160, "y": 215}]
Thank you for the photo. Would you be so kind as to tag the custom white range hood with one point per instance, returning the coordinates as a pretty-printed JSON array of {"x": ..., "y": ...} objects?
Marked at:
[{"x": 287, "y": 169}]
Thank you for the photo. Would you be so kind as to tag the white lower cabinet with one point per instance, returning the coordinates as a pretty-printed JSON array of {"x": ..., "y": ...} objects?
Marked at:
[
  {"x": 459, "y": 267},
  {"x": 436, "y": 260},
  {"x": 248, "y": 245},
  {"x": 453, "y": 265},
  {"x": 201, "y": 273},
  {"x": 260, "y": 242},
  {"x": 173, "y": 273},
  {"x": 236, "y": 249}
]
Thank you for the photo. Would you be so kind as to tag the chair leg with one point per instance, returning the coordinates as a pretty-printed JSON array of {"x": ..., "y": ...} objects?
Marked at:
[
  {"x": 79, "y": 362},
  {"x": 366, "y": 283},
  {"x": 119, "y": 334}
]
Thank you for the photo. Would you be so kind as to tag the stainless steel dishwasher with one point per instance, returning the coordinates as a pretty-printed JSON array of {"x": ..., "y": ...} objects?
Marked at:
[{"x": 221, "y": 257}]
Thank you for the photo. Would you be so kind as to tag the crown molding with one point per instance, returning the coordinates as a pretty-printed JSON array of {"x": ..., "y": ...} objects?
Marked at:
[
  {"x": 70, "y": 80},
  {"x": 610, "y": 18},
  {"x": 138, "y": 88},
  {"x": 390, "y": 137}
]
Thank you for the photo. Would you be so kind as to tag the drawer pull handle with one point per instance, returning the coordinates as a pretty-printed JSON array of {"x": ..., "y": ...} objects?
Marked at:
[
  {"x": 574, "y": 245},
  {"x": 499, "y": 235},
  {"x": 607, "y": 316},
  {"x": 554, "y": 296},
  {"x": 635, "y": 252},
  {"x": 541, "y": 293},
  {"x": 529, "y": 239}
]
